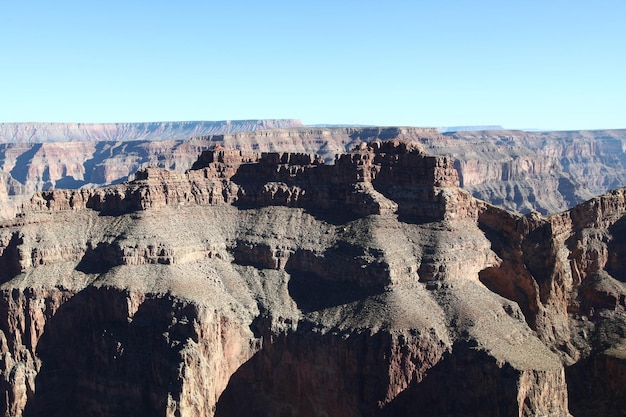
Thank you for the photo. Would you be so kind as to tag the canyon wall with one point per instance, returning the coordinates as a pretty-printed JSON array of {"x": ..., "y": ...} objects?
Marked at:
[
  {"x": 542, "y": 171},
  {"x": 520, "y": 171},
  {"x": 272, "y": 283},
  {"x": 26, "y": 168}
]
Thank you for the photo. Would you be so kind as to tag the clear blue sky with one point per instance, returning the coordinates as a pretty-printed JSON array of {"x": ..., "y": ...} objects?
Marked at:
[{"x": 522, "y": 64}]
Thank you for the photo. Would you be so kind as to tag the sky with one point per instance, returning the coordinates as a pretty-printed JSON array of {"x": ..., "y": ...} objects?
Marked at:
[{"x": 546, "y": 64}]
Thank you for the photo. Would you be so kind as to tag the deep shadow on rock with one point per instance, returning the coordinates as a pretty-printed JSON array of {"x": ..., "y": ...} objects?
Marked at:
[
  {"x": 465, "y": 382},
  {"x": 98, "y": 361},
  {"x": 317, "y": 373},
  {"x": 595, "y": 386},
  {"x": 616, "y": 265},
  {"x": 310, "y": 374},
  {"x": 313, "y": 293}
]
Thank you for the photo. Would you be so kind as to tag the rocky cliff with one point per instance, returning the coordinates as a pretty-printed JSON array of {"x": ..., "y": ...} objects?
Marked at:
[
  {"x": 520, "y": 171},
  {"x": 273, "y": 283},
  {"x": 542, "y": 171}
]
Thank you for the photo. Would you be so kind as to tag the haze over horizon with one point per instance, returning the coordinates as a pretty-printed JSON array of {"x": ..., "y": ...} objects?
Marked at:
[{"x": 545, "y": 65}]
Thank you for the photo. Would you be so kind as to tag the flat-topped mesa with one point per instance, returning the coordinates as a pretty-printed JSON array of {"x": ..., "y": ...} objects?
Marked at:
[
  {"x": 392, "y": 176},
  {"x": 390, "y": 160}
]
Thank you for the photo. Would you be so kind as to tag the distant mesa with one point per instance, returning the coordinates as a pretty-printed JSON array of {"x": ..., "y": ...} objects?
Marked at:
[
  {"x": 448, "y": 129},
  {"x": 78, "y": 132}
]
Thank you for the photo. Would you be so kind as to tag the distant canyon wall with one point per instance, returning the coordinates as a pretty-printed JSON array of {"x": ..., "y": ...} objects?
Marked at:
[
  {"x": 80, "y": 132},
  {"x": 521, "y": 171},
  {"x": 547, "y": 172}
]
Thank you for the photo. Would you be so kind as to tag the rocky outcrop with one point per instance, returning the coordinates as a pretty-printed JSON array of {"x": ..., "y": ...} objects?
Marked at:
[
  {"x": 275, "y": 284},
  {"x": 379, "y": 178}
]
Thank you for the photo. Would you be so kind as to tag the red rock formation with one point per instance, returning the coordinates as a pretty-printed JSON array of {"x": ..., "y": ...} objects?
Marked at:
[
  {"x": 376, "y": 174},
  {"x": 522, "y": 171},
  {"x": 274, "y": 284}
]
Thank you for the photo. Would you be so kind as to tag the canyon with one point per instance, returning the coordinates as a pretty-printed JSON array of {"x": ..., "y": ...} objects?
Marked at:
[
  {"x": 547, "y": 172},
  {"x": 261, "y": 279}
]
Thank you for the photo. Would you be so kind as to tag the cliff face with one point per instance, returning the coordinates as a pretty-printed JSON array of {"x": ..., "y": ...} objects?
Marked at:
[
  {"x": 546, "y": 172},
  {"x": 274, "y": 284},
  {"x": 520, "y": 171}
]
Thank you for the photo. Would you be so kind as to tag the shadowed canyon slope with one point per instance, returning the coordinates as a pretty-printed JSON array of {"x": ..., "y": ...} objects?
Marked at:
[
  {"x": 521, "y": 171},
  {"x": 277, "y": 285}
]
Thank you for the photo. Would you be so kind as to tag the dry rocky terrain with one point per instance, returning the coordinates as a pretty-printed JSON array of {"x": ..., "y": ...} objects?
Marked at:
[{"x": 275, "y": 284}]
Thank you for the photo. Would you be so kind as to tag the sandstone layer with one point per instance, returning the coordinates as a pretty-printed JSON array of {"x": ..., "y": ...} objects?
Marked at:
[{"x": 268, "y": 284}]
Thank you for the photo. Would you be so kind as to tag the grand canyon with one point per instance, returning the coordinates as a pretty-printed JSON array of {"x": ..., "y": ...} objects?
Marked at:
[{"x": 274, "y": 269}]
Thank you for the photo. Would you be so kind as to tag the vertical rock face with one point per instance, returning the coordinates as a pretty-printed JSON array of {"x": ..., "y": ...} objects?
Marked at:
[
  {"x": 147, "y": 355},
  {"x": 24, "y": 317},
  {"x": 273, "y": 284}
]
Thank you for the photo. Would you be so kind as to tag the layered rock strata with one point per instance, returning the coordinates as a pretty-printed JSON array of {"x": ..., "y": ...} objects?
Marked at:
[
  {"x": 120, "y": 132},
  {"x": 274, "y": 284},
  {"x": 521, "y": 171},
  {"x": 26, "y": 168}
]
